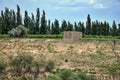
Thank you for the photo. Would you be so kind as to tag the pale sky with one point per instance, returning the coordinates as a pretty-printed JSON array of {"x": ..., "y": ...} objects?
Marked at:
[{"x": 70, "y": 10}]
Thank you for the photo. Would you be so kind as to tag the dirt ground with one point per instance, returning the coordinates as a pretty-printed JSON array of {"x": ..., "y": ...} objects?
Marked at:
[{"x": 85, "y": 55}]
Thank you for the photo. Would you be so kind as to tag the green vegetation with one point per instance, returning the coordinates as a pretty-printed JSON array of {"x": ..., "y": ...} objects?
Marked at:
[
  {"x": 25, "y": 67},
  {"x": 37, "y": 36},
  {"x": 50, "y": 66},
  {"x": 45, "y": 36},
  {"x": 60, "y": 36},
  {"x": 38, "y": 24},
  {"x": 66, "y": 74},
  {"x": 54, "y": 77},
  {"x": 3, "y": 65},
  {"x": 70, "y": 75},
  {"x": 112, "y": 69},
  {"x": 22, "y": 62}
]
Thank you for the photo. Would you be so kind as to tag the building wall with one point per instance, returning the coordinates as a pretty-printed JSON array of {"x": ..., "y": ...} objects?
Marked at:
[{"x": 72, "y": 35}]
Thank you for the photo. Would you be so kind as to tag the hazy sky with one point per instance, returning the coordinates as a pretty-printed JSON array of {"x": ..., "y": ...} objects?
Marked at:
[{"x": 70, "y": 10}]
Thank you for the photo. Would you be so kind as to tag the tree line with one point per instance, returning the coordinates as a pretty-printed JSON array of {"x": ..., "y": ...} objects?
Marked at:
[{"x": 38, "y": 24}]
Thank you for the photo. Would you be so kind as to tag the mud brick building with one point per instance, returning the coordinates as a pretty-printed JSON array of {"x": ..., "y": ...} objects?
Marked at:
[{"x": 72, "y": 36}]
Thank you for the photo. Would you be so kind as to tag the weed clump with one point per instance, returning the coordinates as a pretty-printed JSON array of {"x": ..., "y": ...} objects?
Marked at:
[
  {"x": 3, "y": 65},
  {"x": 66, "y": 74},
  {"x": 50, "y": 66},
  {"x": 22, "y": 62}
]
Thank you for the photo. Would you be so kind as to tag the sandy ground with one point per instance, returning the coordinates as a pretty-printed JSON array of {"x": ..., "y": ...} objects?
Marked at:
[{"x": 84, "y": 55}]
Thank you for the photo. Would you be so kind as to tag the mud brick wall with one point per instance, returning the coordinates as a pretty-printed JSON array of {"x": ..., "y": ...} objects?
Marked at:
[{"x": 72, "y": 36}]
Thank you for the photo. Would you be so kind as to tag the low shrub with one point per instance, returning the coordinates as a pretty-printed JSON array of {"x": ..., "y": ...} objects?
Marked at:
[
  {"x": 27, "y": 77},
  {"x": 54, "y": 77},
  {"x": 22, "y": 61},
  {"x": 50, "y": 66},
  {"x": 3, "y": 65},
  {"x": 83, "y": 76},
  {"x": 70, "y": 75},
  {"x": 114, "y": 69},
  {"x": 19, "y": 31},
  {"x": 66, "y": 74},
  {"x": 16, "y": 64}
]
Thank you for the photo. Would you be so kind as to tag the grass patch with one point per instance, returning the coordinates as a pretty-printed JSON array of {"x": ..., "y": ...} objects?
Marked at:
[
  {"x": 66, "y": 74},
  {"x": 44, "y": 36},
  {"x": 102, "y": 38},
  {"x": 4, "y": 35}
]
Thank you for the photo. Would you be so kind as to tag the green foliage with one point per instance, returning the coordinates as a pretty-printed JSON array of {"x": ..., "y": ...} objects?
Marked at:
[
  {"x": 26, "y": 20},
  {"x": 15, "y": 63},
  {"x": 113, "y": 69},
  {"x": 43, "y": 24},
  {"x": 37, "y": 24},
  {"x": 45, "y": 36},
  {"x": 95, "y": 37},
  {"x": 83, "y": 76},
  {"x": 88, "y": 25},
  {"x": 37, "y": 66},
  {"x": 50, "y": 66},
  {"x": 118, "y": 29},
  {"x": 23, "y": 78},
  {"x": 22, "y": 61},
  {"x": 4, "y": 36},
  {"x": 48, "y": 28},
  {"x": 69, "y": 27},
  {"x": 70, "y": 75},
  {"x": 55, "y": 27},
  {"x": 63, "y": 25},
  {"x": 27, "y": 62},
  {"x": 0, "y": 24},
  {"x": 27, "y": 77},
  {"x": 9, "y": 19},
  {"x": 50, "y": 49},
  {"x": 114, "y": 31},
  {"x": 19, "y": 18},
  {"x": 93, "y": 29},
  {"x": 66, "y": 74},
  {"x": 32, "y": 25},
  {"x": 3, "y": 65},
  {"x": 54, "y": 77},
  {"x": 81, "y": 27}
]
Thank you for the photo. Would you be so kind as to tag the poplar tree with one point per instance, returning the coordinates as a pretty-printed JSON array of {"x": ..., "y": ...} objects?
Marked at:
[
  {"x": 0, "y": 24},
  {"x": 19, "y": 18},
  {"x": 56, "y": 27},
  {"x": 26, "y": 20},
  {"x": 69, "y": 27},
  {"x": 94, "y": 28},
  {"x": 43, "y": 24},
  {"x": 37, "y": 31},
  {"x": 52, "y": 28},
  {"x": 88, "y": 25},
  {"x": 107, "y": 29},
  {"x": 14, "y": 19},
  {"x": 118, "y": 29},
  {"x": 63, "y": 25},
  {"x": 48, "y": 29},
  {"x": 76, "y": 26},
  {"x": 33, "y": 24},
  {"x": 114, "y": 28}
]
